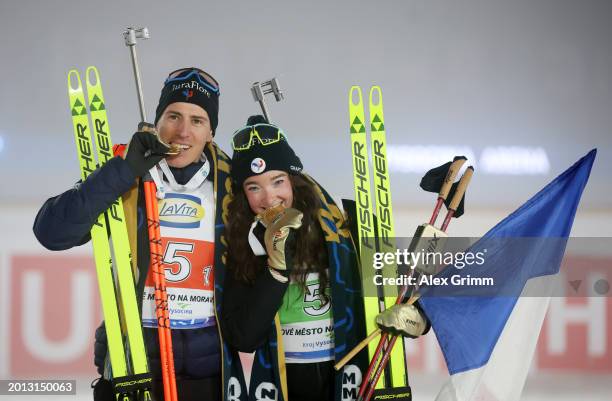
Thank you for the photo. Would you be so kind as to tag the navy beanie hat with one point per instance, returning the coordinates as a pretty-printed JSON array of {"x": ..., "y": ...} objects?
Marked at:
[
  {"x": 191, "y": 87},
  {"x": 259, "y": 159}
]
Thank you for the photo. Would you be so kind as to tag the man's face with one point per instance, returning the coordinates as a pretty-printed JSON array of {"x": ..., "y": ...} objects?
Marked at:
[{"x": 185, "y": 124}]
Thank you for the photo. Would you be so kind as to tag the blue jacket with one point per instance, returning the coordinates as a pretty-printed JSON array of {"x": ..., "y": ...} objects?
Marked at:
[{"x": 64, "y": 221}]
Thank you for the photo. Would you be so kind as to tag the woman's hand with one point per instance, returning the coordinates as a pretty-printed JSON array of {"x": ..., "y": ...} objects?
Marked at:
[{"x": 280, "y": 237}]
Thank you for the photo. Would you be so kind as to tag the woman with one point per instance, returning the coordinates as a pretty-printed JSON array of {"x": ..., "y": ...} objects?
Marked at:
[{"x": 292, "y": 293}]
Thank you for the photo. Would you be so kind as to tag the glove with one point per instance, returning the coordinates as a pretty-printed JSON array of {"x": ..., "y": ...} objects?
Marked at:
[
  {"x": 279, "y": 237},
  {"x": 402, "y": 319},
  {"x": 145, "y": 151}
]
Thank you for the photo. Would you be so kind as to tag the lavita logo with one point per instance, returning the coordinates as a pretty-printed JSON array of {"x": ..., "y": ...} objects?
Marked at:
[{"x": 180, "y": 211}]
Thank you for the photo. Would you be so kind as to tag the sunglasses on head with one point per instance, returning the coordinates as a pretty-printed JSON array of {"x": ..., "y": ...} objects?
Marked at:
[
  {"x": 262, "y": 134},
  {"x": 205, "y": 78}
]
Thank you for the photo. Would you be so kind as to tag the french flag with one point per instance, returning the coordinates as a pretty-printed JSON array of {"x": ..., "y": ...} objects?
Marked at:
[{"x": 488, "y": 335}]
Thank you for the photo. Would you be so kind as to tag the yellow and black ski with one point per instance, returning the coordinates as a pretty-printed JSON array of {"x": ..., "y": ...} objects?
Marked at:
[
  {"x": 130, "y": 373},
  {"x": 384, "y": 211},
  {"x": 374, "y": 234}
]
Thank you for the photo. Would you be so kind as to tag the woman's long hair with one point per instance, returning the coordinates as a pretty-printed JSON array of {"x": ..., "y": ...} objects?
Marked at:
[{"x": 310, "y": 253}]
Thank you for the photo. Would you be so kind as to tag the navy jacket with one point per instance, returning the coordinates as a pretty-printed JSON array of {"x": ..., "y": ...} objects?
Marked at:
[{"x": 64, "y": 221}]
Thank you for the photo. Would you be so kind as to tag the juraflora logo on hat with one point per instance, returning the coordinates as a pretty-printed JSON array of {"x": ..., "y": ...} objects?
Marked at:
[
  {"x": 258, "y": 165},
  {"x": 194, "y": 86},
  {"x": 191, "y": 85}
]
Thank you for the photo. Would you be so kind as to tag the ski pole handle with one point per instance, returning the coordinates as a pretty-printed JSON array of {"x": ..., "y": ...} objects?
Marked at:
[
  {"x": 452, "y": 207},
  {"x": 446, "y": 186},
  {"x": 450, "y": 176},
  {"x": 130, "y": 36},
  {"x": 463, "y": 183}
]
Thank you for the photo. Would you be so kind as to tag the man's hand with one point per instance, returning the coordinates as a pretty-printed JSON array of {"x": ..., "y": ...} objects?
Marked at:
[
  {"x": 402, "y": 319},
  {"x": 145, "y": 150}
]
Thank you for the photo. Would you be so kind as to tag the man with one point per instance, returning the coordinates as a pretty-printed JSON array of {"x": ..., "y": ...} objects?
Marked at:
[{"x": 191, "y": 174}]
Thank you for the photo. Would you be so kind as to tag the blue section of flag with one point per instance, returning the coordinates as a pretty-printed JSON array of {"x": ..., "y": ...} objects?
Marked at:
[{"x": 468, "y": 327}]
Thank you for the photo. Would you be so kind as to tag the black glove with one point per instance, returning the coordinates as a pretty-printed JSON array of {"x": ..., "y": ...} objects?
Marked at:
[{"x": 144, "y": 151}]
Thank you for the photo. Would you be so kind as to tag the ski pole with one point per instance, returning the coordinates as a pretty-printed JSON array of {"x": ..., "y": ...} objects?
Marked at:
[
  {"x": 461, "y": 188},
  {"x": 385, "y": 358},
  {"x": 364, "y": 343},
  {"x": 155, "y": 251},
  {"x": 442, "y": 195},
  {"x": 259, "y": 90},
  {"x": 161, "y": 295}
]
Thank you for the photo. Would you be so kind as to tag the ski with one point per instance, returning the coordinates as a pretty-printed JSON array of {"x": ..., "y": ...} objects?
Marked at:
[
  {"x": 365, "y": 224},
  {"x": 385, "y": 232},
  {"x": 365, "y": 217},
  {"x": 131, "y": 377}
]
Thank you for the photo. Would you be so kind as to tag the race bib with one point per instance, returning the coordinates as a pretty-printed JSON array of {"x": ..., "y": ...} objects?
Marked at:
[
  {"x": 189, "y": 276},
  {"x": 307, "y": 324},
  {"x": 187, "y": 231}
]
